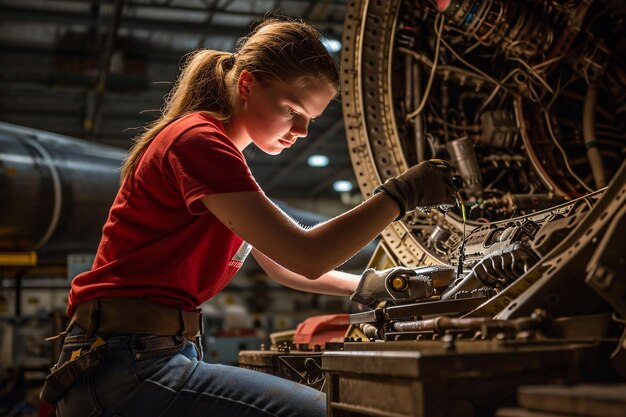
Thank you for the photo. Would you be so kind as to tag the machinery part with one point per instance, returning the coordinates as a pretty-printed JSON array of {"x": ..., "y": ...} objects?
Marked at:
[
  {"x": 401, "y": 284},
  {"x": 56, "y": 192},
  {"x": 319, "y": 330},
  {"x": 556, "y": 283},
  {"x": 526, "y": 202},
  {"x": 605, "y": 268},
  {"x": 504, "y": 266},
  {"x": 420, "y": 284},
  {"x": 375, "y": 158},
  {"x": 391, "y": 285},
  {"x": 303, "y": 367},
  {"x": 465, "y": 161},
  {"x": 370, "y": 331},
  {"x": 433, "y": 307},
  {"x": 446, "y": 377},
  {"x": 499, "y": 129},
  {"x": 536, "y": 203},
  {"x": 306, "y": 370},
  {"x": 519, "y": 103},
  {"x": 497, "y": 271},
  {"x": 439, "y": 325},
  {"x": 605, "y": 276},
  {"x": 512, "y": 26},
  {"x": 484, "y": 327},
  {"x": 462, "y": 287}
]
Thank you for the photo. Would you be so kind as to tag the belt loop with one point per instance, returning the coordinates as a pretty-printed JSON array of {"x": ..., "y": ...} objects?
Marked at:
[
  {"x": 200, "y": 322},
  {"x": 68, "y": 329},
  {"x": 183, "y": 327},
  {"x": 94, "y": 317}
]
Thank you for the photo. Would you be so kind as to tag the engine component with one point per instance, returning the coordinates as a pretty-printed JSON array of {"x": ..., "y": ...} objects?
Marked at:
[
  {"x": 421, "y": 284},
  {"x": 497, "y": 270},
  {"x": 484, "y": 327},
  {"x": 465, "y": 161},
  {"x": 512, "y": 26},
  {"x": 499, "y": 129},
  {"x": 511, "y": 77}
]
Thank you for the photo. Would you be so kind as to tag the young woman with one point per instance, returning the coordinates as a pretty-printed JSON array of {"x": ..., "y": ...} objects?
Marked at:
[{"x": 188, "y": 213}]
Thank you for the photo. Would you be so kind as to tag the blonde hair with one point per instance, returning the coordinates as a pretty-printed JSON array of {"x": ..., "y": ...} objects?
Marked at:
[{"x": 276, "y": 50}]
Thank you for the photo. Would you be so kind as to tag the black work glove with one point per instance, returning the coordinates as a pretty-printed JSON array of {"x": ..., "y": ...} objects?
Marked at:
[
  {"x": 424, "y": 186},
  {"x": 372, "y": 287},
  {"x": 502, "y": 267}
]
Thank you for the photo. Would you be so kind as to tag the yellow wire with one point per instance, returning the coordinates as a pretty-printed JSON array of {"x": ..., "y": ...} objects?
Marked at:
[{"x": 462, "y": 204}]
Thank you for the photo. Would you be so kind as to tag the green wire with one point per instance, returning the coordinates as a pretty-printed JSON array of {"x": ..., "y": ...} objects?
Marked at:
[{"x": 462, "y": 248}]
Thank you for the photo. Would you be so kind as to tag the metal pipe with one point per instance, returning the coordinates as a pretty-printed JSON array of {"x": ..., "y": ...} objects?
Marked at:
[
  {"x": 414, "y": 94},
  {"x": 589, "y": 136},
  {"x": 440, "y": 324},
  {"x": 55, "y": 191}
]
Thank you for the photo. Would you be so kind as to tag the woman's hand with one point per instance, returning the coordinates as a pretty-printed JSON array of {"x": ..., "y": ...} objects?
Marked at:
[{"x": 424, "y": 186}]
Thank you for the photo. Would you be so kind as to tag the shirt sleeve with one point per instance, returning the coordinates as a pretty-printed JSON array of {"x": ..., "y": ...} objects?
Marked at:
[{"x": 204, "y": 161}]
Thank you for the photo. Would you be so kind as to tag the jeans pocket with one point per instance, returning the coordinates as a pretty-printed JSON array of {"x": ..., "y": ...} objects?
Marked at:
[
  {"x": 151, "y": 347},
  {"x": 73, "y": 346}
]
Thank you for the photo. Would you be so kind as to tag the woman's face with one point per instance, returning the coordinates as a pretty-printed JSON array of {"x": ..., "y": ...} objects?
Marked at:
[{"x": 275, "y": 114}]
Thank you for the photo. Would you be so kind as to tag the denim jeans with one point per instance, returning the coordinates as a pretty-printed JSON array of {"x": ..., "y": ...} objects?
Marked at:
[{"x": 161, "y": 376}]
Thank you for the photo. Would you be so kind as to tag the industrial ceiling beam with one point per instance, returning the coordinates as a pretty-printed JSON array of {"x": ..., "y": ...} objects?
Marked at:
[
  {"x": 160, "y": 3},
  {"x": 71, "y": 17},
  {"x": 22, "y": 14},
  {"x": 94, "y": 97}
]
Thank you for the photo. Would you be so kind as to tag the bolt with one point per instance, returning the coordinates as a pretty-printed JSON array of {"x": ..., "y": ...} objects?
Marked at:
[{"x": 448, "y": 342}]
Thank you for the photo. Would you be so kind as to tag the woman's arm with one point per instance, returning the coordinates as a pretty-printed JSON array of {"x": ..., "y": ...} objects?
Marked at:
[
  {"x": 331, "y": 283},
  {"x": 308, "y": 252}
]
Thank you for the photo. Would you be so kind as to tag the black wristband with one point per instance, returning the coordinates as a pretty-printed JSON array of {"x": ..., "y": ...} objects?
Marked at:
[{"x": 381, "y": 189}]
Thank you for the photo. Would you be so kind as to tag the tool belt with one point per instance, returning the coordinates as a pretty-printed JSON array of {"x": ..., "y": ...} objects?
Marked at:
[
  {"x": 109, "y": 316},
  {"x": 136, "y": 316},
  {"x": 63, "y": 377}
]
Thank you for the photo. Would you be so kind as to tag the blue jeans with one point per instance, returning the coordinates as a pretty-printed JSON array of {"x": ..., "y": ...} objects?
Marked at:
[{"x": 161, "y": 376}]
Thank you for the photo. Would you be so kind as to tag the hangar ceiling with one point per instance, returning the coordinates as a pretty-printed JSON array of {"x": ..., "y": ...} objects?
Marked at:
[{"x": 55, "y": 55}]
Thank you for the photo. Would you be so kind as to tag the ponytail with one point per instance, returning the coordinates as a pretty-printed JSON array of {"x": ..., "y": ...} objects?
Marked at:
[{"x": 201, "y": 86}]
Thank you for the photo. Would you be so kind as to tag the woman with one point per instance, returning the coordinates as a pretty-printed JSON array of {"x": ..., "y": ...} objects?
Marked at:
[{"x": 186, "y": 215}]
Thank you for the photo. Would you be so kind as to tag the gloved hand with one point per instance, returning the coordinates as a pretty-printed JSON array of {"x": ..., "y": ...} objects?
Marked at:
[
  {"x": 424, "y": 186},
  {"x": 502, "y": 267},
  {"x": 371, "y": 288}
]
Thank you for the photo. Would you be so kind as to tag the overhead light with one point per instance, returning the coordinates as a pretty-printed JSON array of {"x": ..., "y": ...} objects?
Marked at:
[
  {"x": 342, "y": 186},
  {"x": 317, "y": 160},
  {"x": 332, "y": 45}
]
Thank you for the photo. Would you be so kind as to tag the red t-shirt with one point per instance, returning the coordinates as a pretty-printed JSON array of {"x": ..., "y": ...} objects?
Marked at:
[{"x": 160, "y": 242}]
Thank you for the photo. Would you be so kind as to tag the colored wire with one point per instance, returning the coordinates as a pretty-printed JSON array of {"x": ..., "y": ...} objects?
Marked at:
[{"x": 459, "y": 270}]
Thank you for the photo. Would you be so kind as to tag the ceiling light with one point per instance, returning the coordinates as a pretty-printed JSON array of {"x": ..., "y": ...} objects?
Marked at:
[
  {"x": 342, "y": 186},
  {"x": 332, "y": 45},
  {"x": 318, "y": 161}
]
